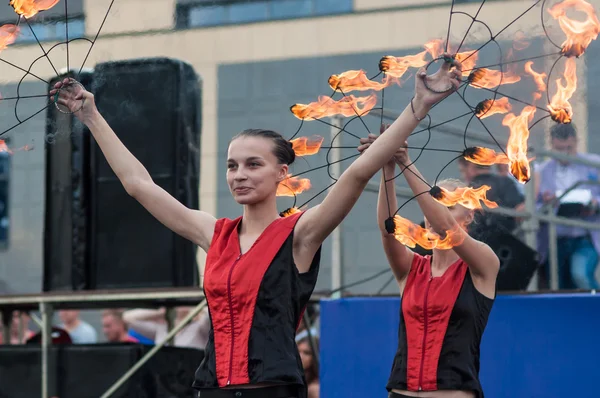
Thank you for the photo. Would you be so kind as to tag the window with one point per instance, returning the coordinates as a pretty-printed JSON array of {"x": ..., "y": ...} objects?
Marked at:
[
  {"x": 248, "y": 12},
  {"x": 52, "y": 30},
  {"x": 4, "y": 180},
  {"x": 328, "y": 7},
  {"x": 291, "y": 8},
  {"x": 194, "y": 13}
]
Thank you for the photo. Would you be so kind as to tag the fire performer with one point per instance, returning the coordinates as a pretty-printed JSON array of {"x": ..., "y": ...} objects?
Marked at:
[
  {"x": 261, "y": 268},
  {"x": 446, "y": 297}
]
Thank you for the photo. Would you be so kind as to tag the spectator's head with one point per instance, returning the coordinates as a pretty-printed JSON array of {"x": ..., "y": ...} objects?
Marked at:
[
  {"x": 563, "y": 139},
  {"x": 311, "y": 370},
  {"x": 470, "y": 170},
  {"x": 461, "y": 214},
  {"x": 19, "y": 318},
  {"x": 113, "y": 326},
  {"x": 69, "y": 317}
]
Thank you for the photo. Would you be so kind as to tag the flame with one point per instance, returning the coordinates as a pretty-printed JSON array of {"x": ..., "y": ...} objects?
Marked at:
[
  {"x": 560, "y": 109},
  {"x": 484, "y": 156},
  {"x": 468, "y": 59},
  {"x": 489, "y": 78},
  {"x": 305, "y": 146},
  {"x": 411, "y": 234},
  {"x": 579, "y": 33},
  {"x": 289, "y": 212},
  {"x": 468, "y": 197},
  {"x": 517, "y": 142},
  {"x": 326, "y": 106},
  {"x": 357, "y": 80},
  {"x": 29, "y": 8},
  {"x": 8, "y": 35},
  {"x": 397, "y": 66},
  {"x": 489, "y": 107},
  {"x": 292, "y": 186},
  {"x": 539, "y": 78}
]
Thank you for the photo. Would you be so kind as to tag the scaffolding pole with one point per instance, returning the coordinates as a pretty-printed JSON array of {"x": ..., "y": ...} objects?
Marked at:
[{"x": 337, "y": 273}]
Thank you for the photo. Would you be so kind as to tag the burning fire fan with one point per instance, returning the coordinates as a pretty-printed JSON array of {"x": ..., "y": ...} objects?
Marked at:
[{"x": 356, "y": 95}]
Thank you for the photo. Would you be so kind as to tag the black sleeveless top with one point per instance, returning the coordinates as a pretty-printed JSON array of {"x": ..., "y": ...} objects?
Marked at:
[
  {"x": 256, "y": 302},
  {"x": 442, "y": 320}
]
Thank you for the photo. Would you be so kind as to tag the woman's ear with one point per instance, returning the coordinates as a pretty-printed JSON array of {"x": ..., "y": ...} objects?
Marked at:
[
  {"x": 470, "y": 218},
  {"x": 283, "y": 172}
]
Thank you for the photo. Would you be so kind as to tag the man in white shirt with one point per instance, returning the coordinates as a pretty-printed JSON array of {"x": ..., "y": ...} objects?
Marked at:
[{"x": 80, "y": 331}]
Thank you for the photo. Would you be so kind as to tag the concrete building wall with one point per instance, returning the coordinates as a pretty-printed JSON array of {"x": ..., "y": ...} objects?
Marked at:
[{"x": 251, "y": 74}]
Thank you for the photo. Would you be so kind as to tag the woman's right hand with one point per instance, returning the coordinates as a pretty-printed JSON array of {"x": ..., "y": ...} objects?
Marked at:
[
  {"x": 74, "y": 98},
  {"x": 401, "y": 155}
]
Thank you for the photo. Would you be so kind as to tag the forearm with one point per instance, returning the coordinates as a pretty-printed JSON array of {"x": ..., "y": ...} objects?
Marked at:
[
  {"x": 382, "y": 150},
  {"x": 438, "y": 215},
  {"x": 386, "y": 201},
  {"x": 142, "y": 314},
  {"x": 128, "y": 169}
]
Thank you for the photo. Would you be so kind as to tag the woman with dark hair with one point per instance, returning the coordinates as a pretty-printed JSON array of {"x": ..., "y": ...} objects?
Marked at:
[
  {"x": 261, "y": 268},
  {"x": 446, "y": 297},
  {"x": 309, "y": 364}
]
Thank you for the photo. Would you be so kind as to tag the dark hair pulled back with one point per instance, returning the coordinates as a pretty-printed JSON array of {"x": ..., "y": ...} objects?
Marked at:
[{"x": 282, "y": 148}]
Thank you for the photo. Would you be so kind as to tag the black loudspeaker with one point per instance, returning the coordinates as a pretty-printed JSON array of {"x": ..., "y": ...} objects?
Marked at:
[
  {"x": 87, "y": 371},
  {"x": 518, "y": 262},
  {"x": 66, "y": 233},
  {"x": 154, "y": 107}
]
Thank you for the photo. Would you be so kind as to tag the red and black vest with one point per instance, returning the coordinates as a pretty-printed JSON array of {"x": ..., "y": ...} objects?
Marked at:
[
  {"x": 255, "y": 301},
  {"x": 442, "y": 320}
]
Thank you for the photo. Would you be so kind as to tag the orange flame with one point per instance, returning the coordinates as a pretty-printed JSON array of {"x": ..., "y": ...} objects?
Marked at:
[
  {"x": 29, "y": 8},
  {"x": 292, "y": 186},
  {"x": 489, "y": 78},
  {"x": 411, "y": 234},
  {"x": 539, "y": 78},
  {"x": 305, "y": 146},
  {"x": 8, "y": 35},
  {"x": 484, "y": 156},
  {"x": 397, "y": 66},
  {"x": 489, "y": 107},
  {"x": 326, "y": 106},
  {"x": 468, "y": 59},
  {"x": 468, "y": 197},
  {"x": 579, "y": 33},
  {"x": 517, "y": 142},
  {"x": 357, "y": 80},
  {"x": 560, "y": 109},
  {"x": 289, "y": 212}
]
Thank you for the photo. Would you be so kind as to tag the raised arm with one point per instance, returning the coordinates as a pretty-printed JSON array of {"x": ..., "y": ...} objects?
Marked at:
[
  {"x": 481, "y": 259},
  {"x": 192, "y": 224},
  {"x": 317, "y": 223},
  {"x": 399, "y": 256}
]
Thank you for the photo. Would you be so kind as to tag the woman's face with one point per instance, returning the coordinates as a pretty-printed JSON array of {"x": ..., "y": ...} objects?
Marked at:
[
  {"x": 253, "y": 171},
  {"x": 461, "y": 214},
  {"x": 306, "y": 355}
]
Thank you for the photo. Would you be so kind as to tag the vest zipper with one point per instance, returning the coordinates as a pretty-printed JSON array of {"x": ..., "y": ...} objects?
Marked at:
[
  {"x": 425, "y": 319},
  {"x": 231, "y": 318}
]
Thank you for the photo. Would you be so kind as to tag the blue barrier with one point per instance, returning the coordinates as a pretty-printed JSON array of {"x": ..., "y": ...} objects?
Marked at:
[{"x": 535, "y": 346}]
